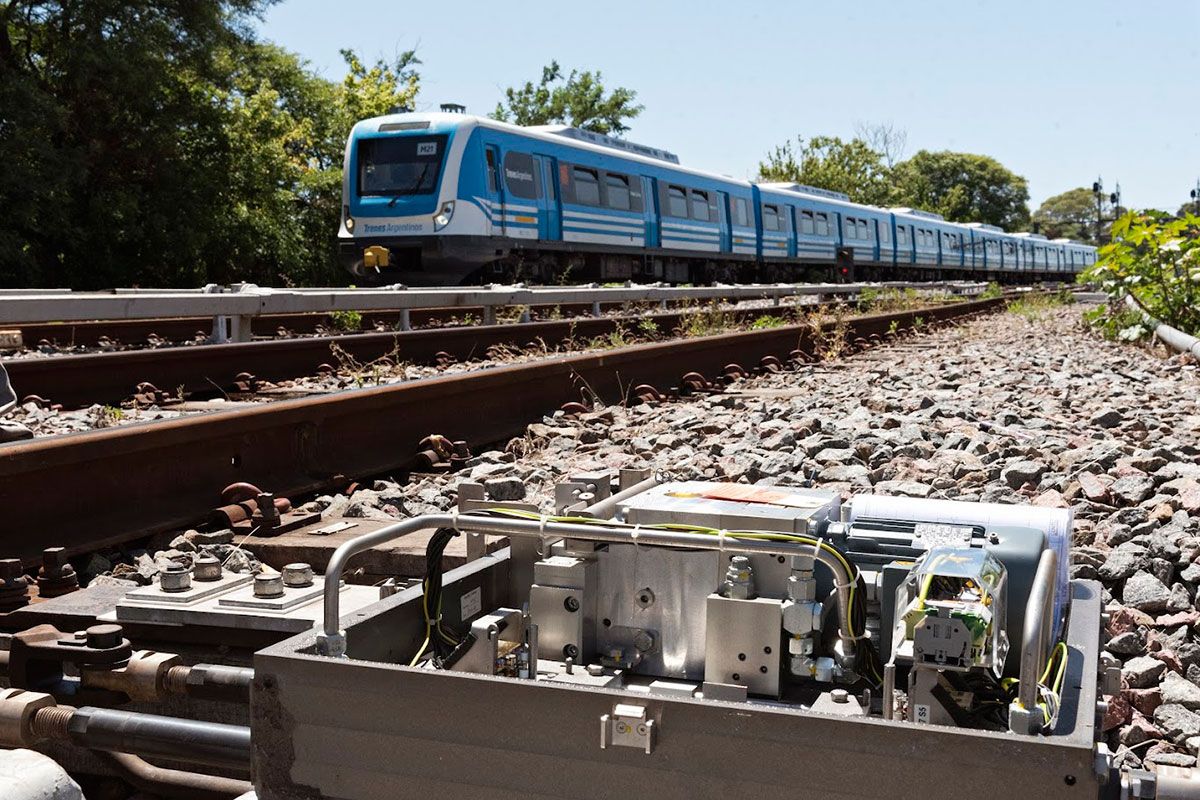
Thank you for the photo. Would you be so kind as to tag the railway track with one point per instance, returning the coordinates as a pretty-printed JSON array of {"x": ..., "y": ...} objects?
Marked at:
[
  {"x": 79, "y": 380},
  {"x": 88, "y": 490}
]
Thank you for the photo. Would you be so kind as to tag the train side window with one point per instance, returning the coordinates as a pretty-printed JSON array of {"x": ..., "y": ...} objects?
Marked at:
[
  {"x": 700, "y": 205},
  {"x": 806, "y": 223},
  {"x": 677, "y": 202},
  {"x": 740, "y": 215},
  {"x": 770, "y": 218},
  {"x": 822, "y": 223},
  {"x": 521, "y": 176},
  {"x": 901, "y": 235},
  {"x": 862, "y": 230},
  {"x": 617, "y": 189},
  {"x": 885, "y": 234},
  {"x": 587, "y": 186},
  {"x": 492, "y": 183}
]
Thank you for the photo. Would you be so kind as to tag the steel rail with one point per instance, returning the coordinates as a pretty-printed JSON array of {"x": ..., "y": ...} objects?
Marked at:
[
  {"x": 248, "y": 300},
  {"x": 88, "y": 490},
  {"x": 81, "y": 380}
]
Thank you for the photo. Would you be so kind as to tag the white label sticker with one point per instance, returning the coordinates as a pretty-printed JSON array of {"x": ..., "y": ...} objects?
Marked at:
[
  {"x": 472, "y": 603},
  {"x": 922, "y": 712},
  {"x": 427, "y": 148}
]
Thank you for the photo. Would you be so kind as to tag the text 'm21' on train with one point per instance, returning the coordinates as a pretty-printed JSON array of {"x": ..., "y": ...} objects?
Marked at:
[{"x": 447, "y": 198}]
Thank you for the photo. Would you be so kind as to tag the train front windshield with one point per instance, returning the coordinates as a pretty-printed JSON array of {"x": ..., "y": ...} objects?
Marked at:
[{"x": 400, "y": 165}]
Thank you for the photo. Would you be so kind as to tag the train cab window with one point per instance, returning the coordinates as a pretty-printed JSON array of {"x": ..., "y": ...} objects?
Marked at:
[
  {"x": 521, "y": 176},
  {"x": 862, "y": 230},
  {"x": 700, "y": 205},
  {"x": 491, "y": 171},
  {"x": 617, "y": 189},
  {"x": 587, "y": 186},
  {"x": 741, "y": 217},
  {"x": 822, "y": 223},
  {"x": 770, "y": 216},
  {"x": 677, "y": 202},
  {"x": 806, "y": 223}
]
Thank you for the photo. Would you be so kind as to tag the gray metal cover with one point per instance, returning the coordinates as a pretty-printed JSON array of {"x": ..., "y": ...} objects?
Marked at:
[{"x": 682, "y": 503}]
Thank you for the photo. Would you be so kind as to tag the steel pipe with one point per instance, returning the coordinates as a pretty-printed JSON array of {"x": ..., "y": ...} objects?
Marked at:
[
  {"x": 1039, "y": 617},
  {"x": 186, "y": 740},
  {"x": 604, "y": 509},
  {"x": 162, "y": 782},
  {"x": 331, "y": 641},
  {"x": 211, "y": 682}
]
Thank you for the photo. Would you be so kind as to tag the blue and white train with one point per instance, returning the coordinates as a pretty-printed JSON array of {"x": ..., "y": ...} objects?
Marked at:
[{"x": 446, "y": 198}]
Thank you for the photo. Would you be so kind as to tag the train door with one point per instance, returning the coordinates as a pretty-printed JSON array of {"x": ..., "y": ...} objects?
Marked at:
[
  {"x": 650, "y": 212},
  {"x": 549, "y": 208},
  {"x": 723, "y": 217},
  {"x": 495, "y": 192}
]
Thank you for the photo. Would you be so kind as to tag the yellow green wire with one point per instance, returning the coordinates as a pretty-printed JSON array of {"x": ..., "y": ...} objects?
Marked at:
[{"x": 783, "y": 537}]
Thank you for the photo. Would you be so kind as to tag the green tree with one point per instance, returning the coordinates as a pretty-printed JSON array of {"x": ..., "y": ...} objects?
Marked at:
[
  {"x": 827, "y": 162},
  {"x": 159, "y": 143},
  {"x": 578, "y": 99},
  {"x": 1071, "y": 214},
  {"x": 962, "y": 187},
  {"x": 1191, "y": 207}
]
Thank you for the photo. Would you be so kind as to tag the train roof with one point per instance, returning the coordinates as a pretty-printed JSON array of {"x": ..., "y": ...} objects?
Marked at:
[{"x": 546, "y": 133}]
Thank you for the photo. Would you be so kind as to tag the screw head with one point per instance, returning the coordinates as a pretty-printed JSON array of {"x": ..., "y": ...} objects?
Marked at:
[
  {"x": 298, "y": 575},
  {"x": 268, "y": 585},
  {"x": 206, "y": 567},
  {"x": 104, "y": 637},
  {"x": 175, "y": 578},
  {"x": 571, "y": 603}
]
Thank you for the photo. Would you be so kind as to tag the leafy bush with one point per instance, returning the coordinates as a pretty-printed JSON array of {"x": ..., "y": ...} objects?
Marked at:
[{"x": 1156, "y": 259}]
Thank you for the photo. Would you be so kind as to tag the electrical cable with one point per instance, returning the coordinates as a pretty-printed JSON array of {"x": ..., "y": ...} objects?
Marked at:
[{"x": 867, "y": 660}]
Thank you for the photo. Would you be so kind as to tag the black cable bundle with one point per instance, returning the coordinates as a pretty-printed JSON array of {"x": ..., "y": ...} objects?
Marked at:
[{"x": 444, "y": 642}]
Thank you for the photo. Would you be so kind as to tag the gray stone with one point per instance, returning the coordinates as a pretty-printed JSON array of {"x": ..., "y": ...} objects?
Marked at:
[
  {"x": 1022, "y": 472},
  {"x": 1142, "y": 672},
  {"x": 846, "y": 473},
  {"x": 1124, "y": 562},
  {"x": 1145, "y": 592},
  {"x": 1170, "y": 759},
  {"x": 1107, "y": 418},
  {"x": 505, "y": 489},
  {"x": 905, "y": 488},
  {"x": 1129, "y": 643},
  {"x": 109, "y": 580},
  {"x": 1179, "y": 690},
  {"x": 1131, "y": 490},
  {"x": 201, "y": 538},
  {"x": 1176, "y": 722}
]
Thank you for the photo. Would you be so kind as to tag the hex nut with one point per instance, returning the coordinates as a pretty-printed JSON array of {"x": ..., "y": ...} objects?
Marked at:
[
  {"x": 595, "y": 670},
  {"x": 268, "y": 585},
  {"x": 17, "y": 708},
  {"x": 298, "y": 575},
  {"x": 175, "y": 578},
  {"x": 206, "y": 567}
]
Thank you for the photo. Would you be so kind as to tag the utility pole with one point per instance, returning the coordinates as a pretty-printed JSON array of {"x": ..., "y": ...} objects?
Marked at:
[
  {"x": 1098, "y": 190},
  {"x": 1196, "y": 196},
  {"x": 1115, "y": 199}
]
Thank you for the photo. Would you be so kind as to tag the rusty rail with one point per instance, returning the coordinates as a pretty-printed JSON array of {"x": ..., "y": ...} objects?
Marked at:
[{"x": 87, "y": 490}]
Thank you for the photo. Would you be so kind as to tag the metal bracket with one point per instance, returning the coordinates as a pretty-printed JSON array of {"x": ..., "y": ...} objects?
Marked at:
[{"x": 627, "y": 726}]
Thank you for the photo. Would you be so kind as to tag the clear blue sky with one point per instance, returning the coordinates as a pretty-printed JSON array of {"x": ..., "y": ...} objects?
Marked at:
[{"x": 1058, "y": 90}]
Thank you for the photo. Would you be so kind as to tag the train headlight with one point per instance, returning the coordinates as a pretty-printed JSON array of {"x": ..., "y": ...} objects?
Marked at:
[
  {"x": 443, "y": 217},
  {"x": 350, "y": 224}
]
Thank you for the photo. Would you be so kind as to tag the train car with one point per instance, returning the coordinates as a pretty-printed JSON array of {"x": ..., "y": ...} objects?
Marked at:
[
  {"x": 447, "y": 198},
  {"x": 843, "y": 240}
]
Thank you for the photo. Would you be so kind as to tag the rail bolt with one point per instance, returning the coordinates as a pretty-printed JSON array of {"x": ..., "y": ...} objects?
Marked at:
[
  {"x": 175, "y": 578},
  {"x": 297, "y": 575},
  {"x": 105, "y": 637},
  {"x": 268, "y": 585},
  {"x": 206, "y": 567}
]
